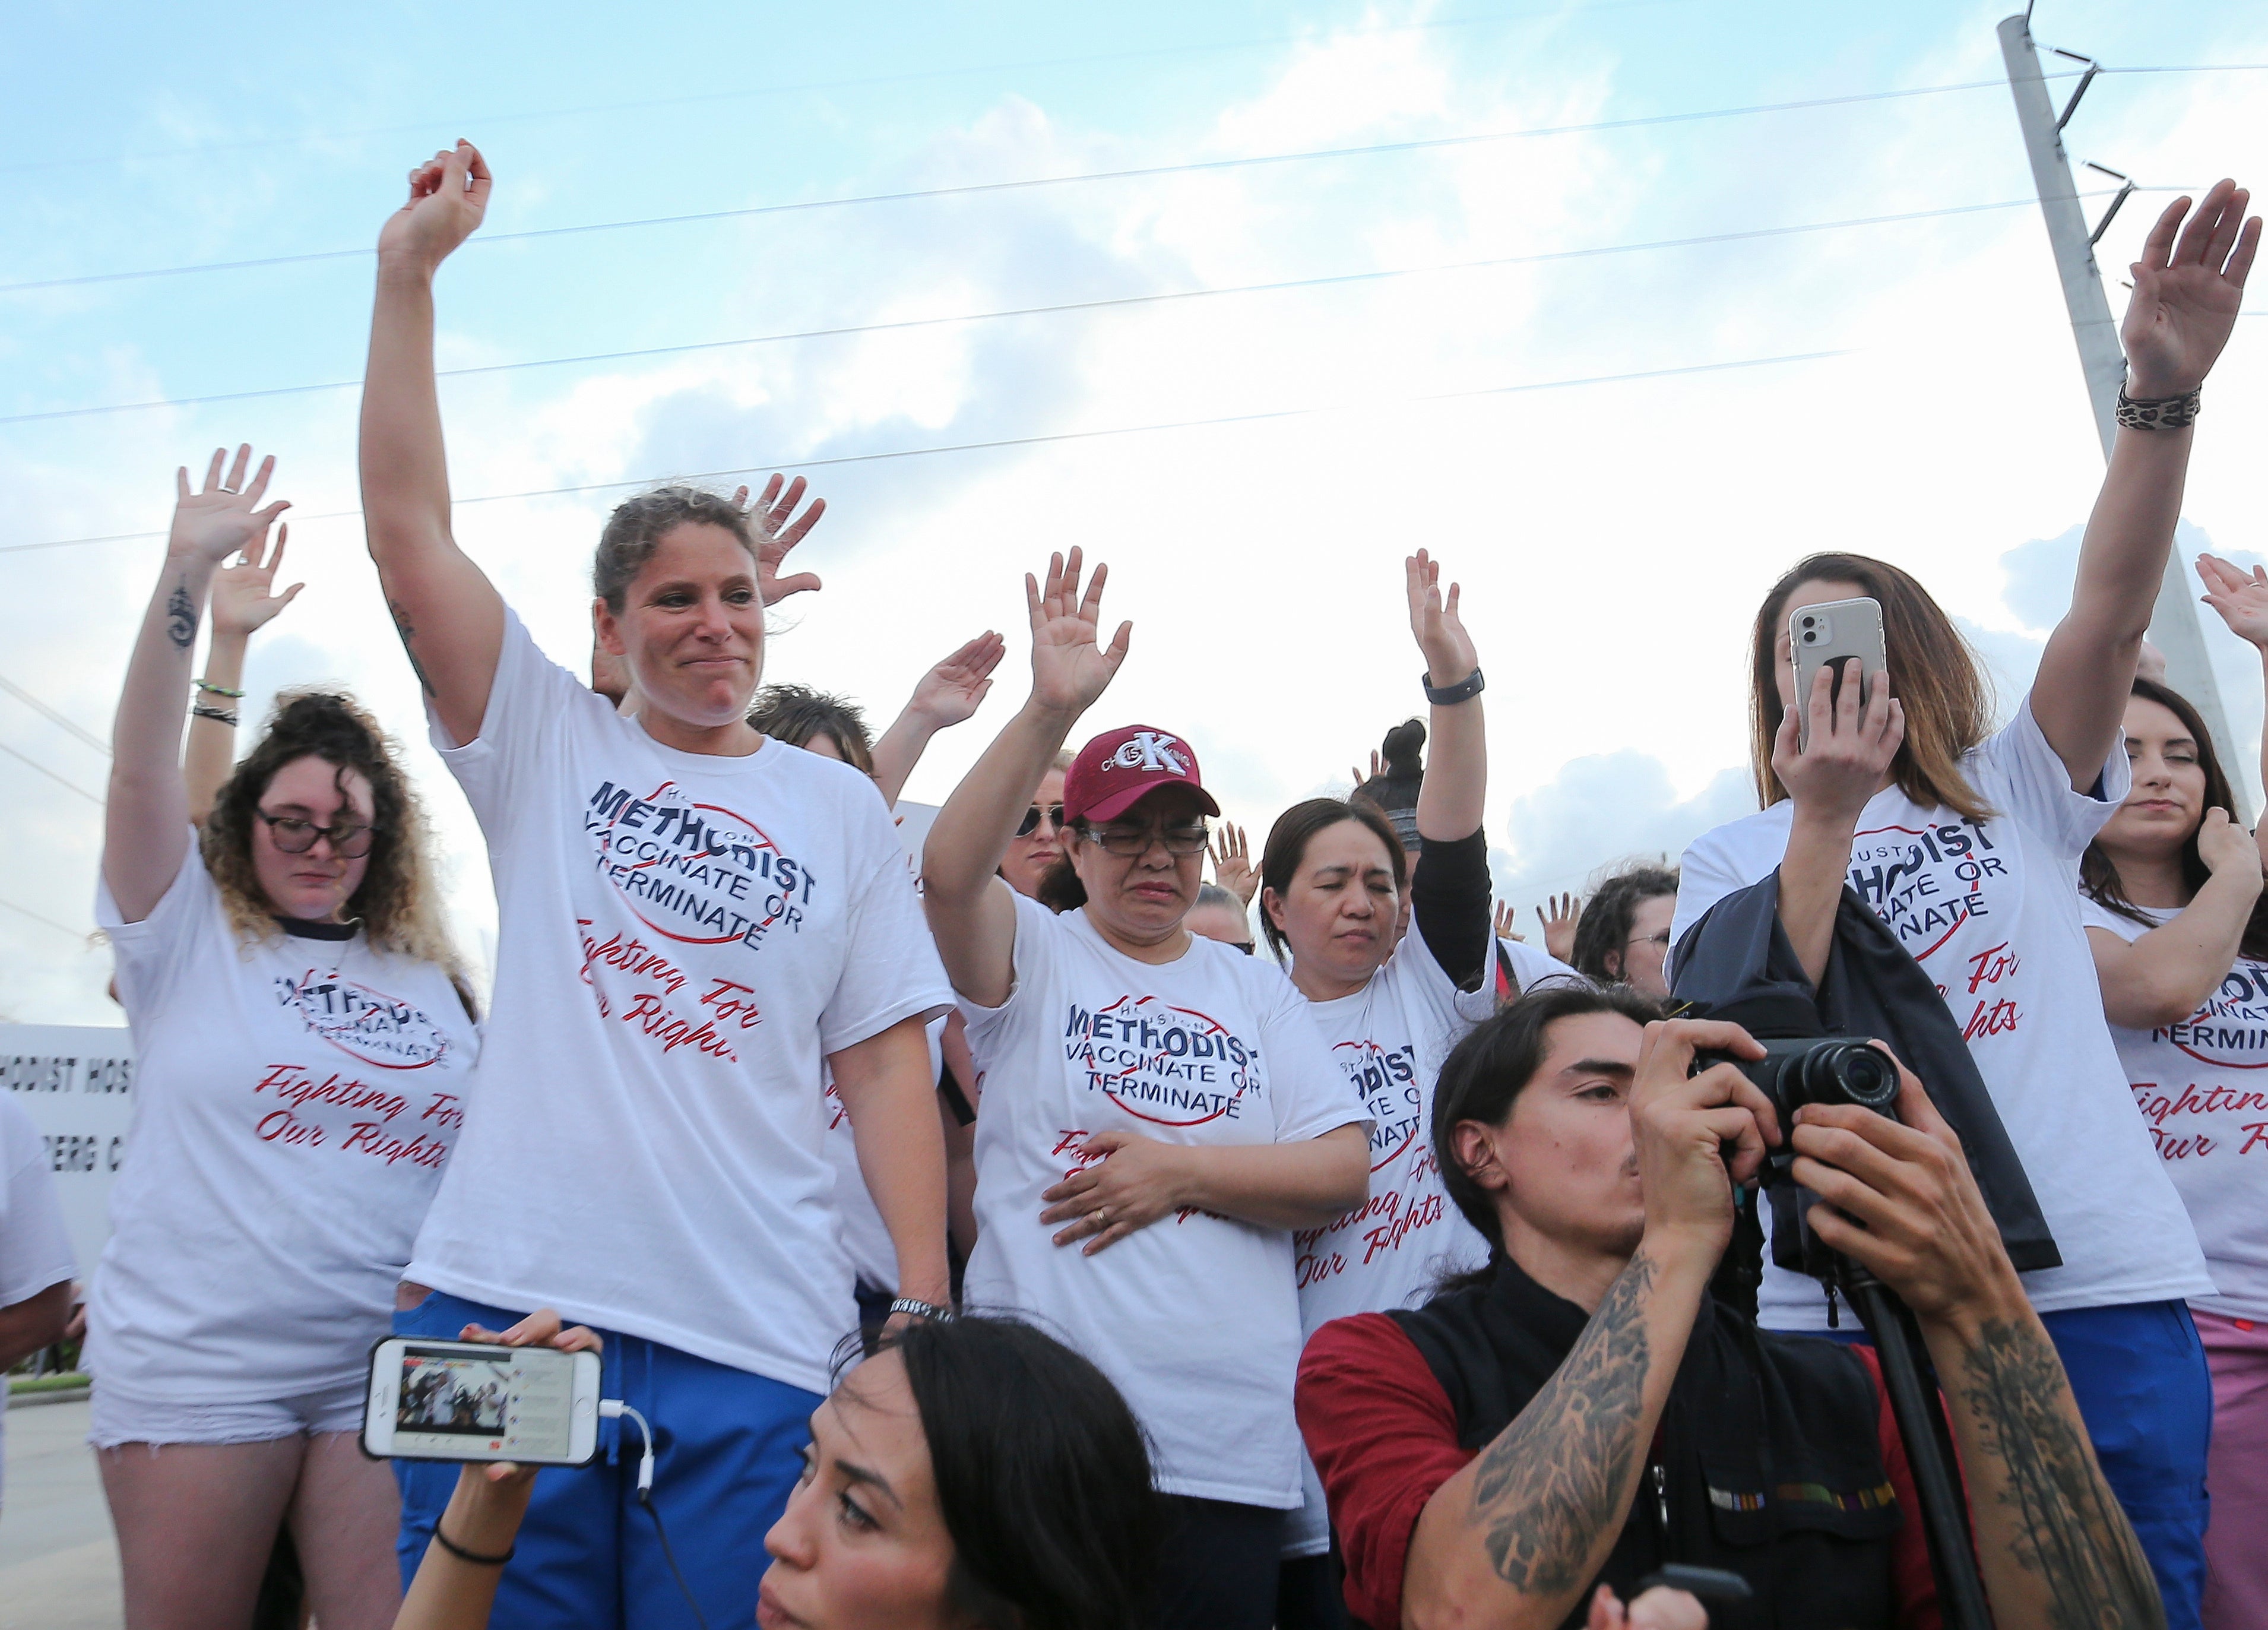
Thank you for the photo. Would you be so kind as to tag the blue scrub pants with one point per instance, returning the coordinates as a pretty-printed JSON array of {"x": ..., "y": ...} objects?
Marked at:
[
  {"x": 2140, "y": 1376},
  {"x": 727, "y": 1453}
]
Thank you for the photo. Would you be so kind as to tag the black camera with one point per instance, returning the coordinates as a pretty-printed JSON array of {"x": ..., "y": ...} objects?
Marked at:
[{"x": 1829, "y": 1069}]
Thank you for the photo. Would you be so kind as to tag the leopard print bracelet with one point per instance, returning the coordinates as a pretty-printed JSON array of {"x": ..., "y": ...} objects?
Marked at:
[{"x": 2157, "y": 412}]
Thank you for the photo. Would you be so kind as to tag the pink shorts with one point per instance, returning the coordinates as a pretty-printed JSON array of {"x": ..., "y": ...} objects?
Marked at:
[{"x": 2236, "y": 1473}]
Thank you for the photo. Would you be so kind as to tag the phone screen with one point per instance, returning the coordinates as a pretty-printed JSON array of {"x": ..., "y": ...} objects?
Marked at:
[{"x": 517, "y": 1404}]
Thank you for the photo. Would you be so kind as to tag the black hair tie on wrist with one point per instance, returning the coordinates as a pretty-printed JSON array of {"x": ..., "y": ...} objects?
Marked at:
[
  {"x": 1449, "y": 696},
  {"x": 473, "y": 1557}
]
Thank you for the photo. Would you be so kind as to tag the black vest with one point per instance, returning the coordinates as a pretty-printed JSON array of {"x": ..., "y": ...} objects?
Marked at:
[{"x": 1768, "y": 1462}]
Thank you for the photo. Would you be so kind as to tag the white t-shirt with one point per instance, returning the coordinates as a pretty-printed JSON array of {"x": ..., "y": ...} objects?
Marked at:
[
  {"x": 1195, "y": 1317},
  {"x": 682, "y": 939},
  {"x": 1535, "y": 969},
  {"x": 2201, "y": 1091},
  {"x": 1991, "y": 913},
  {"x": 35, "y": 1250},
  {"x": 874, "y": 1258},
  {"x": 295, "y": 1105},
  {"x": 1389, "y": 1038}
]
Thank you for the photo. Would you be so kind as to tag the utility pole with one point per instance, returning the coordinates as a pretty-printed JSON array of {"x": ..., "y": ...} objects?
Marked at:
[{"x": 2173, "y": 625}]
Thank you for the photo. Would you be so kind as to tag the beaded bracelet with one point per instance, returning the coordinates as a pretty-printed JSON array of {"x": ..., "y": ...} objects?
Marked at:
[{"x": 218, "y": 691}]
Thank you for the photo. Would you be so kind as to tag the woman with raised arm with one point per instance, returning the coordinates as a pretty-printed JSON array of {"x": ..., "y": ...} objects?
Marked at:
[
  {"x": 302, "y": 1075},
  {"x": 1159, "y": 1115},
  {"x": 691, "y": 921},
  {"x": 1332, "y": 888},
  {"x": 2175, "y": 911},
  {"x": 1965, "y": 840}
]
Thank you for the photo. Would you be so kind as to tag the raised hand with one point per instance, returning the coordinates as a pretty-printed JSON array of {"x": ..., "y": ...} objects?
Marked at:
[
  {"x": 1450, "y": 658},
  {"x": 1071, "y": 668},
  {"x": 242, "y": 602},
  {"x": 2187, "y": 287},
  {"x": 1232, "y": 863},
  {"x": 1851, "y": 749},
  {"x": 1377, "y": 768},
  {"x": 1559, "y": 916},
  {"x": 448, "y": 199},
  {"x": 2241, "y": 599},
  {"x": 780, "y": 529},
  {"x": 952, "y": 690},
  {"x": 223, "y": 518},
  {"x": 1508, "y": 922}
]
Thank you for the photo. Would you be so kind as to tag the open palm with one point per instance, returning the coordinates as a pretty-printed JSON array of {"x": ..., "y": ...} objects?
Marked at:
[
  {"x": 950, "y": 693},
  {"x": 780, "y": 529},
  {"x": 2187, "y": 288},
  {"x": 242, "y": 600},
  {"x": 1071, "y": 668},
  {"x": 225, "y": 518},
  {"x": 2241, "y": 597}
]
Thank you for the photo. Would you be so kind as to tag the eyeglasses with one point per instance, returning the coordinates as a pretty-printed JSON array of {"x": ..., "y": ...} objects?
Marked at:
[
  {"x": 1661, "y": 939},
  {"x": 1180, "y": 841},
  {"x": 1050, "y": 812},
  {"x": 350, "y": 840}
]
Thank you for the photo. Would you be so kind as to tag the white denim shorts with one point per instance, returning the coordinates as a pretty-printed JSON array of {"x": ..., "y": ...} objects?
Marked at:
[{"x": 117, "y": 1416}]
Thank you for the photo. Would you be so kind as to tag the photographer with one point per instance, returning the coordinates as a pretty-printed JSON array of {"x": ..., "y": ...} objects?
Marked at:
[{"x": 1582, "y": 1412}]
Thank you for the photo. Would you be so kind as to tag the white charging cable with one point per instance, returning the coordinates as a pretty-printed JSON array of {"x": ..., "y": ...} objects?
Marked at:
[{"x": 614, "y": 1409}]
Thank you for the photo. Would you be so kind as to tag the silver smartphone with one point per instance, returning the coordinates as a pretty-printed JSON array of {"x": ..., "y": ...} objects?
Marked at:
[
  {"x": 472, "y": 1400},
  {"x": 1833, "y": 632}
]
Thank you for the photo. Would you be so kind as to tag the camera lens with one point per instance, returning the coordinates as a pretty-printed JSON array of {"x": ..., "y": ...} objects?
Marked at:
[{"x": 1851, "y": 1072}]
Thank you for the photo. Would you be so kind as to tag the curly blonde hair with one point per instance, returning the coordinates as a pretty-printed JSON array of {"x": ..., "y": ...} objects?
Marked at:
[{"x": 398, "y": 902}]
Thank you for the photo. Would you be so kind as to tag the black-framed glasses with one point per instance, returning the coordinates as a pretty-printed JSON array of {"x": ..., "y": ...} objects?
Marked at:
[
  {"x": 350, "y": 840},
  {"x": 1030, "y": 823},
  {"x": 1127, "y": 843}
]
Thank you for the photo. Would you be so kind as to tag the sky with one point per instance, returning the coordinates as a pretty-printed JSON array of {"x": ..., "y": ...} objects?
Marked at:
[{"x": 1615, "y": 452}]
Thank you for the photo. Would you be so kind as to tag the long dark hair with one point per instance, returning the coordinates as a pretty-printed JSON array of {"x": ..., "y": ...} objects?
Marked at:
[
  {"x": 2098, "y": 873},
  {"x": 1296, "y": 828},
  {"x": 398, "y": 901},
  {"x": 1484, "y": 1075},
  {"x": 1604, "y": 927},
  {"x": 1043, "y": 1477},
  {"x": 1933, "y": 673}
]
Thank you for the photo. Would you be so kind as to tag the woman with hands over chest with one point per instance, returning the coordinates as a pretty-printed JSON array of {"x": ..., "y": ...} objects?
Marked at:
[{"x": 1159, "y": 1111}]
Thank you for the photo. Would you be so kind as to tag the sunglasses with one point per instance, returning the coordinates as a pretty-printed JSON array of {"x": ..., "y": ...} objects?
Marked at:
[
  {"x": 1051, "y": 813},
  {"x": 350, "y": 840}
]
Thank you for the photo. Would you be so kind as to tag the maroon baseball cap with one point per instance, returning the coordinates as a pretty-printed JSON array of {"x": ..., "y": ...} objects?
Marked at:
[{"x": 1120, "y": 765}]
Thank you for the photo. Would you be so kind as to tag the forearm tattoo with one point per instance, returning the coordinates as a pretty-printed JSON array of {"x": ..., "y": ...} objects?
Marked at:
[
  {"x": 1558, "y": 1478},
  {"x": 401, "y": 623},
  {"x": 181, "y": 617},
  {"x": 2070, "y": 1532}
]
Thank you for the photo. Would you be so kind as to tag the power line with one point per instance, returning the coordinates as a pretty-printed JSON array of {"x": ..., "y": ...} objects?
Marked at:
[
  {"x": 484, "y": 121},
  {"x": 51, "y": 774},
  {"x": 1032, "y": 441},
  {"x": 31, "y": 701},
  {"x": 1428, "y": 144},
  {"x": 77, "y": 933},
  {"x": 1100, "y": 304}
]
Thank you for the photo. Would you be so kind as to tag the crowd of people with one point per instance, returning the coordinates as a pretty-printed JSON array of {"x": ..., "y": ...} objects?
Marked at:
[{"x": 1041, "y": 1234}]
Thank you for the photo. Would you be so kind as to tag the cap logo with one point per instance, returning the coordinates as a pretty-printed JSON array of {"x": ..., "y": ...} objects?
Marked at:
[{"x": 1149, "y": 750}]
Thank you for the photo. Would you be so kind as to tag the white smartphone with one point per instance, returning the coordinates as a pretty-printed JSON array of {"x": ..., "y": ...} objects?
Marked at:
[
  {"x": 471, "y": 1400},
  {"x": 1833, "y": 632}
]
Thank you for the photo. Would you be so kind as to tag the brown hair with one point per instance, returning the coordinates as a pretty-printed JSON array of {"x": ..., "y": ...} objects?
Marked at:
[
  {"x": 398, "y": 902},
  {"x": 2098, "y": 873},
  {"x": 639, "y": 523},
  {"x": 797, "y": 714},
  {"x": 1933, "y": 672},
  {"x": 1603, "y": 930}
]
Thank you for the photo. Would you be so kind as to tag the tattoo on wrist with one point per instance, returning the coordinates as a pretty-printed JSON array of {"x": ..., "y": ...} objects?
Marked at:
[
  {"x": 2070, "y": 1532},
  {"x": 401, "y": 623},
  {"x": 181, "y": 617},
  {"x": 1550, "y": 1487}
]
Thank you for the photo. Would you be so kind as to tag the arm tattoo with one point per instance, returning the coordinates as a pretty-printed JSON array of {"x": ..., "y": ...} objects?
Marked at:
[
  {"x": 401, "y": 622},
  {"x": 181, "y": 617},
  {"x": 1558, "y": 1478},
  {"x": 2071, "y": 1533}
]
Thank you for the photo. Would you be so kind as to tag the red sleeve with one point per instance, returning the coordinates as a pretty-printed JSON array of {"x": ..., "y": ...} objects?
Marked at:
[
  {"x": 1383, "y": 1439},
  {"x": 1912, "y": 1583}
]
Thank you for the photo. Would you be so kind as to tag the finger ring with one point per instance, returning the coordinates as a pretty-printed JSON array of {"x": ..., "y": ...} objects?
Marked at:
[
  {"x": 1103, "y": 1215},
  {"x": 227, "y": 489}
]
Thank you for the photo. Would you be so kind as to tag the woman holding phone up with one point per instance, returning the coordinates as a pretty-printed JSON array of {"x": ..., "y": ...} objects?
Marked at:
[{"x": 1966, "y": 841}]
